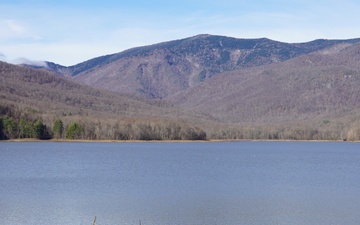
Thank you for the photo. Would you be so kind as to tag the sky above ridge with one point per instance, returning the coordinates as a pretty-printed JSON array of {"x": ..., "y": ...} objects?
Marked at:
[{"x": 68, "y": 32}]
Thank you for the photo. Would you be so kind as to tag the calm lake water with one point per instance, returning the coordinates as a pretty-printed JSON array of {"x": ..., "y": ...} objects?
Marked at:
[{"x": 180, "y": 183}]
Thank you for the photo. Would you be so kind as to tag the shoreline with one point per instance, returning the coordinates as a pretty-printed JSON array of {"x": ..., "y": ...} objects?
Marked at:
[{"x": 164, "y": 141}]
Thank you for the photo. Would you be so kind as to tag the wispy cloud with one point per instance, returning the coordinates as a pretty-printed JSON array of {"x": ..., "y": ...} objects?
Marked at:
[
  {"x": 14, "y": 26},
  {"x": 68, "y": 32},
  {"x": 10, "y": 29},
  {"x": 30, "y": 62},
  {"x": 22, "y": 60}
]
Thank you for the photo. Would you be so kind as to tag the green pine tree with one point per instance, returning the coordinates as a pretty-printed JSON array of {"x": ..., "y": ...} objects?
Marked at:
[
  {"x": 74, "y": 131},
  {"x": 40, "y": 129},
  {"x": 26, "y": 129},
  {"x": 9, "y": 127},
  {"x": 2, "y": 136},
  {"x": 58, "y": 129}
]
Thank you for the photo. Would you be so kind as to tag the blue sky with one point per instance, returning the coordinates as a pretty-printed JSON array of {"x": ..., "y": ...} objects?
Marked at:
[{"x": 71, "y": 31}]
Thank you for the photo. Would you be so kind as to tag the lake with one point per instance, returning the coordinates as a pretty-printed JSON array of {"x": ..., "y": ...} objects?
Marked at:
[{"x": 204, "y": 183}]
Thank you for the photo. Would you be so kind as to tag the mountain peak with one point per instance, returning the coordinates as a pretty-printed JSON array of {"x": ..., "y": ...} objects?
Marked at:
[
  {"x": 164, "y": 69},
  {"x": 201, "y": 36}
]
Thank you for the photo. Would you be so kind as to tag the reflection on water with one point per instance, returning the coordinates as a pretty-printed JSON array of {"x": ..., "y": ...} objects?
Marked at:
[{"x": 180, "y": 183}]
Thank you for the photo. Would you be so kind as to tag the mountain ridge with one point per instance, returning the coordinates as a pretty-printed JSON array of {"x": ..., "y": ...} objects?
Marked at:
[
  {"x": 320, "y": 84},
  {"x": 163, "y": 69},
  {"x": 229, "y": 88},
  {"x": 312, "y": 45}
]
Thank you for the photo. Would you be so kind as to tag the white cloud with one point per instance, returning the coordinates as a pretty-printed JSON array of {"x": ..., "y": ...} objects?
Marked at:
[
  {"x": 11, "y": 29},
  {"x": 29, "y": 62},
  {"x": 15, "y": 27},
  {"x": 64, "y": 53},
  {"x": 70, "y": 35}
]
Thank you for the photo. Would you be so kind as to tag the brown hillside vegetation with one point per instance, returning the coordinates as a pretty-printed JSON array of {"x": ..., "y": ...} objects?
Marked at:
[
  {"x": 320, "y": 90},
  {"x": 164, "y": 69},
  {"x": 205, "y": 86},
  {"x": 31, "y": 94}
]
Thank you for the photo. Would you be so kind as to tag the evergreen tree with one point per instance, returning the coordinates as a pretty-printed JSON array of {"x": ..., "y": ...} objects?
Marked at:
[
  {"x": 9, "y": 127},
  {"x": 40, "y": 129},
  {"x": 58, "y": 129},
  {"x": 22, "y": 128},
  {"x": 26, "y": 129},
  {"x": 74, "y": 131},
  {"x": 2, "y": 136}
]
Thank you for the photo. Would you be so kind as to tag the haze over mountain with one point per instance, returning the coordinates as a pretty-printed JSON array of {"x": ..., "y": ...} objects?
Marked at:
[{"x": 237, "y": 88}]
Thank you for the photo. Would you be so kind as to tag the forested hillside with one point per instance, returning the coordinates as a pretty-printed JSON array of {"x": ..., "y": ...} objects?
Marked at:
[
  {"x": 318, "y": 92},
  {"x": 203, "y": 87},
  {"x": 29, "y": 96},
  {"x": 164, "y": 69}
]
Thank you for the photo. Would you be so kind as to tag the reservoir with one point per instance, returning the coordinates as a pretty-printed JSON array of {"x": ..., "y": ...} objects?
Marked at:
[{"x": 195, "y": 183}]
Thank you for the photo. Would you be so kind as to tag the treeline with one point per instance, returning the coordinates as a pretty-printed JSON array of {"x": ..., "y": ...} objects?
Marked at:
[
  {"x": 142, "y": 130},
  {"x": 288, "y": 132},
  {"x": 10, "y": 129},
  {"x": 15, "y": 124}
]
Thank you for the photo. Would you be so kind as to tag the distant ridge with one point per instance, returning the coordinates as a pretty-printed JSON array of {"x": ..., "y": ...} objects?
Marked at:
[{"x": 164, "y": 69}]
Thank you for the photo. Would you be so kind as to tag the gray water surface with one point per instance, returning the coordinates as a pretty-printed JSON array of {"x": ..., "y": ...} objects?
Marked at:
[{"x": 180, "y": 183}]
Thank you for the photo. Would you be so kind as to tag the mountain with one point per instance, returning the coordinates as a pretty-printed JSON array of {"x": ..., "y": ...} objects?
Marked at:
[
  {"x": 162, "y": 70},
  {"x": 27, "y": 93},
  {"x": 219, "y": 86},
  {"x": 317, "y": 89}
]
